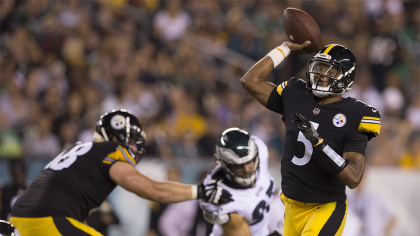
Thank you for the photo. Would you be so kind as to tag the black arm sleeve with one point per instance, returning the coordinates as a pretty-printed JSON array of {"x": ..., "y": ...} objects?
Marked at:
[
  {"x": 275, "y": 102},
  {"x": 356, "y": 142},
  {"x": 334, "y": 161}
]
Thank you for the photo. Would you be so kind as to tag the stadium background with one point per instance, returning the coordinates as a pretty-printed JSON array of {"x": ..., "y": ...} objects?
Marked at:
[{"x": 65, "y": 62}]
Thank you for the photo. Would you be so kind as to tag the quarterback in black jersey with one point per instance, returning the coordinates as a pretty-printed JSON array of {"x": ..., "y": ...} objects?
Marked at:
[
  {"x": 80, "y": 178},
  {"x": 326, "y": 135}
]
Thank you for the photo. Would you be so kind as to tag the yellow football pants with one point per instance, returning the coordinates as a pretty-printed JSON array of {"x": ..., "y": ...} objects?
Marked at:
[
  {"x": 52, "y": 226},
  {"x": 310, "y": 219}
]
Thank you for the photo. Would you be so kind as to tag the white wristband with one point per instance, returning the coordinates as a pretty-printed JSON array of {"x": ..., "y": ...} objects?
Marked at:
[
  {"x": 194, "y": 189},
  {"x": 278, "y": 54}
]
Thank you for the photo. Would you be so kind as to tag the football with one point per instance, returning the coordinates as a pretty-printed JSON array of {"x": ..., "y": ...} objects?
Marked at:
[{"x": 300, "y": 26}]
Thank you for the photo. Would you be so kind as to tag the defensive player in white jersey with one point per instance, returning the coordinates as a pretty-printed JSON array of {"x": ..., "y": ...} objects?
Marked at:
[{"x": 242, "y": 169}]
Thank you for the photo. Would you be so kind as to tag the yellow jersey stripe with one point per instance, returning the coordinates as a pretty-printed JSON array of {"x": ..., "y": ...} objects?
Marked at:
[
  {"x": 281, "y": 87},
  {"x": 115, "y": 156},
  {"x": 128, "y": 154},
  {"x": 370, "y": 127},
  {"x": 329, "y": 48},
  {"x": 121, "y": 154}
]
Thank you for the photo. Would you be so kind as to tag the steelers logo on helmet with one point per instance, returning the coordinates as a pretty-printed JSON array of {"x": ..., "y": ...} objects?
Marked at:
[{"x": 118, "y": 122}]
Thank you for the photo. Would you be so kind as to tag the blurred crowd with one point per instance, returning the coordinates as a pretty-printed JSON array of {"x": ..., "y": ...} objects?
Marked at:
[{"x": 64, "y": 63}]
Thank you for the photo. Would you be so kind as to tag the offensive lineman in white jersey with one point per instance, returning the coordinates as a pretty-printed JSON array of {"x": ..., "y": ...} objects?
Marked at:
[{"x": 242, "y": 169}]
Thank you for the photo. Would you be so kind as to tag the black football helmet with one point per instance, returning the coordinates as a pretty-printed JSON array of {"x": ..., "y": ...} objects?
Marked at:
[
  {"x": 124, "y": 126},
  {"x": 7, "y": 229},
  {"x": 234, "y": 149},
  {"x": 334, "y": 58}
]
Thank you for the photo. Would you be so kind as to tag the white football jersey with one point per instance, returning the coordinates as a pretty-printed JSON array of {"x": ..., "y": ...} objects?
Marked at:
[{"x": 251, "y": 203}]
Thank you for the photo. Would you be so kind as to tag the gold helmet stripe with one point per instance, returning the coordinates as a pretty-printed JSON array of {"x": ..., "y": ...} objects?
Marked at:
[{"x": 329, "y": 48}]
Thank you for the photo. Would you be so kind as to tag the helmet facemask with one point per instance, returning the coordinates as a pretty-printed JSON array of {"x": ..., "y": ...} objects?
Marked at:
[
  {"x": 320, "y": 70},
  {"x": 136, "y": 137},
  {"x": 245, "y": 179}
]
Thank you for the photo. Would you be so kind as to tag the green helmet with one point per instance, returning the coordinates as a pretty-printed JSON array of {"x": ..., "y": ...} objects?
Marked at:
[{"x": 234, "y": 149}]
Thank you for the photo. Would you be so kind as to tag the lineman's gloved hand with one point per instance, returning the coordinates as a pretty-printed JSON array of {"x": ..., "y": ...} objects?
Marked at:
[
  {"x": 213, "y": 193},
  {"x": 307, "y": 129}
]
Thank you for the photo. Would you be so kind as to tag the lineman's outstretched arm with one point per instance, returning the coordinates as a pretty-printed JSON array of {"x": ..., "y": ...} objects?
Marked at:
[
  {"x": 255, "y": 79},
  {"x": 128, "y": 177},
  {"x": 236, "y": 226}
]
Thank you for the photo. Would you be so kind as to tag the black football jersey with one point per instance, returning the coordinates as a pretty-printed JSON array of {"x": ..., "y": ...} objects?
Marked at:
[
  {"x": 346, "y": 126},
  {"x": 73, "y": 183}
]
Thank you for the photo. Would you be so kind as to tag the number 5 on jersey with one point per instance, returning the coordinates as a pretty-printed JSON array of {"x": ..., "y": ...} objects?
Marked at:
[{"x": 308, "y": 148}]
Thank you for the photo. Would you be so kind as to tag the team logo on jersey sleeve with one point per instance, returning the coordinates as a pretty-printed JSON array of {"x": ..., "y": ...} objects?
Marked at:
[
  {"x": 118, "y": 122},
  {"x": 339, "y": 120}
]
